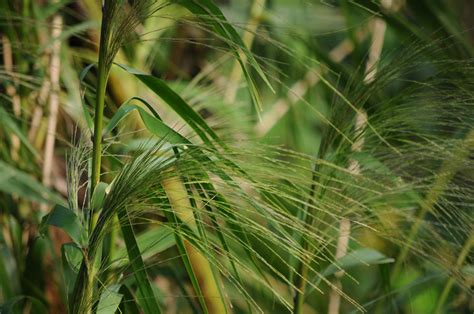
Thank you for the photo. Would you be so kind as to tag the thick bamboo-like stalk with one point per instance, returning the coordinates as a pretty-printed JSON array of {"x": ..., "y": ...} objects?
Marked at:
[
  {"x": 341, "y": 251},
  {"x": 54, "y": 76},
  {"x": 207, "y": 278},
  {"x": 11, "y": 91}
]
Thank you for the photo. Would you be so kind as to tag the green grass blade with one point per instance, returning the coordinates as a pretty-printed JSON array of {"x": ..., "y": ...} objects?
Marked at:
[
  {"x": 67, "y": 220},
  {"x": 183, "y": 109},
  {"x": 14, "y": 181},
  {"x": 154, "y": 125},
  {"x": 171, "y": 217},
  {"x": 211, "y": 15},
  {"x": 110, "y": 300},
  {"x": 129, "y": 304},
  {"x": 7, "y": 122},
  {"x": 149, "y": 304},
  {"x": 150, "y": 243}
]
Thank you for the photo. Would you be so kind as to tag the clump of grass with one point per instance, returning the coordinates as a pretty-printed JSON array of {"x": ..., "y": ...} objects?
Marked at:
[{"x": 254, "y": 227}]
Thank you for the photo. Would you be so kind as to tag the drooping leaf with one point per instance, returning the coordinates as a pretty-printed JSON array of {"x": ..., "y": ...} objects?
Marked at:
[
  {"x": 7, "y": 122},
  {"x": 192, "y": 118},
  {"x": 154, "y": 125},
  {"x": 148, "y": 302},
  {"x": 98, "y": 195},
  {"x": 84, "y": 71},
  {"x": 360, "y": 257},
  {"x": 67, "y": 220},
  {"x": 212, "y": 16},
  {"x": 71, "y": 31},
  {"x": 110, "y": 300},
  {"x": 14, "y": 181},
  {"x": 71, "y": 256},
  {"x": 150, "y": 243}
]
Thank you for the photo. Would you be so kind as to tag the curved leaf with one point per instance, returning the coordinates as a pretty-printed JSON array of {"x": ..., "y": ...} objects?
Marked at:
[
  {"x": 110, "y": 300},
  {"x": 67, "y": 220},
  {"x": 150, "y": 305},
  {"x": 7, "y": 122},
  {"x": 14, "y": 181},
  {"x": 154, "y": 125},
  {"x": 71, "y": 256},
  {"x": 183, "y": 109},
  {"x": 211, "y": 15}
]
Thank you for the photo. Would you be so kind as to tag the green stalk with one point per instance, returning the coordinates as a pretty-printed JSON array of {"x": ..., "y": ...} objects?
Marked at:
[
  {"x": 303, "y": 265},
  {"x": 102, "y": 75},
  {"x": 300, "y": 282},
  {"x": 108, "y": 248},
  {"x": 82, "y": 299},
  {"x": 449, "y": 284}
]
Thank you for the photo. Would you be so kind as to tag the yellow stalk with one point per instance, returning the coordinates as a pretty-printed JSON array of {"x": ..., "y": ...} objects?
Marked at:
[
  {"x": 11, "y": 91},
  {"x": 207, "y": 278},
  {"x": 54, "y": 75}
]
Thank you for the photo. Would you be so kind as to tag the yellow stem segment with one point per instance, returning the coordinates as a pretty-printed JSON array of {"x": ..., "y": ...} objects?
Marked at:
[{"x": 207, "y": 278}]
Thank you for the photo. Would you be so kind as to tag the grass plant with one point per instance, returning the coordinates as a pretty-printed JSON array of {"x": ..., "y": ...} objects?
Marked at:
[{"x": 201, "y": 156}]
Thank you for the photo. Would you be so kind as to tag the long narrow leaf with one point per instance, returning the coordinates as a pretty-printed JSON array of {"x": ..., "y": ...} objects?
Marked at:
[
  {"x": 184, "y": 110},
  {"x": 150, "y": 305},
  {"x": 14, "y": 181},
  {"x": 211, "y": 15}
]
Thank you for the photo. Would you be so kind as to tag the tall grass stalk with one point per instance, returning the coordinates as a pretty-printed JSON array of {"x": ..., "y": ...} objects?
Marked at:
[
  {"x": 201, "y": 267},
  {"x": 11, "y": 91},
  {"x": 82, "y": 300},
  {"x": 451, "y": 280},
  {"x": 102, "y": 74},
  {"x": 54, "y": 74}
]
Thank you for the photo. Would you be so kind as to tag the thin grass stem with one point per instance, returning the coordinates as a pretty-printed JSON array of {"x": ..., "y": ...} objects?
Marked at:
[
  {"x": 446, "y": 174},
  {"x": 449, "y": 284},
  {"x": 102, "y": 74}
]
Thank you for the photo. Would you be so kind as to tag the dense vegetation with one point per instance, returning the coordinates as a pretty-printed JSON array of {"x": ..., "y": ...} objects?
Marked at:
[{"x": 267, "y": 156}]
